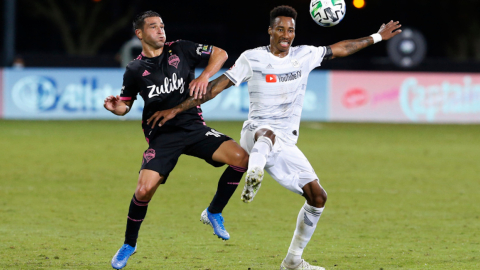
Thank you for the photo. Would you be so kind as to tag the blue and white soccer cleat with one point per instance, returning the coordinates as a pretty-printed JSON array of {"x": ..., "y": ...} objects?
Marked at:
[
  {"x": 216, "y": 221},
  {"x": 253, "y": 182},
  {"x": 120, "y": 258}
]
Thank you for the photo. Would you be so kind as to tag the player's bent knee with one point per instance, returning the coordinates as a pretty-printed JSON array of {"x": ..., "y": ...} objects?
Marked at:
[
  {"x": 243, "y": 158},
  {"x": 314, "y": 193},
  {"x": 317, "y": 201},
  {"x": 320, "y": 199},
  {"x": 232, "y": 154},
  {"x": 148, "y": 183},
  {"x": 267, "y": 133},
  {"x": 145, "y": 192},
  {"x": 239, "y": 158}
]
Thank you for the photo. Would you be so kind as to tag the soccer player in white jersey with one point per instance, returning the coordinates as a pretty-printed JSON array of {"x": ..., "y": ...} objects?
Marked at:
[{"x": 277, "y": 77}]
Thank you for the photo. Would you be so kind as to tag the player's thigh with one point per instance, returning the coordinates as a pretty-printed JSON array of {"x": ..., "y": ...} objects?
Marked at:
[
  {"x": 291, "y": 169},
  {"x": 203, "y": 142},
  {"x": 231, "y": 153},
  {"x": 163, "y": 153}
]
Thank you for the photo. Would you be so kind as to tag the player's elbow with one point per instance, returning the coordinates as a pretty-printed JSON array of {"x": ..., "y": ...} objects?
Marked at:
[
  {"x": 222, "y": 54},
  {"x": 121, "y": 114}
]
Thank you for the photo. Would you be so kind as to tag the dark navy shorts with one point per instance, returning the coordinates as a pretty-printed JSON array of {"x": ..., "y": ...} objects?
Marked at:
[{"x": 165, "y": 149}]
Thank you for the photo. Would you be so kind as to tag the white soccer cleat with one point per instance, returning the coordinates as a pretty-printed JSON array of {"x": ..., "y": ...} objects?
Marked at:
[
  {"x": 302, "y": 266},
  {"x": 204, "y": 218},
  {"x": 253, "y": 181}
]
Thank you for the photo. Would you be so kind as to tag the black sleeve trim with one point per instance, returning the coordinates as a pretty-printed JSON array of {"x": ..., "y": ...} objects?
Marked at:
[{"x": 328, "y": 54}]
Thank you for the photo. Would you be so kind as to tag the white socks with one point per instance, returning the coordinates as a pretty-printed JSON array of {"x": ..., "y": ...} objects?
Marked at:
[
  {"x": 306, "y": 223},
  {"x": 258, "y": 156}
]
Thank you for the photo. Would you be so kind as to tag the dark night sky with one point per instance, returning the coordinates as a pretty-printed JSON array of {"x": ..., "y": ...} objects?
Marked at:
[{"x": 239, "y": 25}]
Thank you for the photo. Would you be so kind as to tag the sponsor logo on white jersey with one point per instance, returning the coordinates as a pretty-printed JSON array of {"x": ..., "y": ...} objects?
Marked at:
[{"x": 273, "y": 78}]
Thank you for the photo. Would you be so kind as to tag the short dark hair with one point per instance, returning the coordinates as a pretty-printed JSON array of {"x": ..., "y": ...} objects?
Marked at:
[
  {"x": 286, "y": 11},
  {"x": 139, "y": 20}
]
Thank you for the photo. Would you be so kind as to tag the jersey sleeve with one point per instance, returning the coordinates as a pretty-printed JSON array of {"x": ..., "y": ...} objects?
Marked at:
[
  {"x": 195, "y": 52},
  {"x": 240, "y": 72},
  {"x": 318, "y": 55},
  {"x": 129, "y": 88}
]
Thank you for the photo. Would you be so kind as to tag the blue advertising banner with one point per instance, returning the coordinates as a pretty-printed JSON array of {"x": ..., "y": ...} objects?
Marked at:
[
  {"x": 38, "y": 93},
  {"x": 1, "y": 93},
  {"x": 54, "y": 93}
]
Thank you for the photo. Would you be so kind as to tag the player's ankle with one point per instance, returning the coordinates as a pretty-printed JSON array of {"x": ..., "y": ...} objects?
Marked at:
[
  {"x": 131, "y": 242},
  {"x": 292, "y": 260}
]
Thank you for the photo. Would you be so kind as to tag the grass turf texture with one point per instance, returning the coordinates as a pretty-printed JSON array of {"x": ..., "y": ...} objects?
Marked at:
[{"x": 400, "y": 197}]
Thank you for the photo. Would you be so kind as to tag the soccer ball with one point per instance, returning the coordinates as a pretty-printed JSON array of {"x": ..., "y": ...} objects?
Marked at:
[{"x": 327, "y": 13}]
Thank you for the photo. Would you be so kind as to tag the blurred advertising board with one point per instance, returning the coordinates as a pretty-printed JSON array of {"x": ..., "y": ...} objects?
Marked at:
[
  {"x": 41, "y": 93},
  {"x": 1, "y": 93},
  {"x": 405, "y": 97},
  {"x": 55, "y": 93}
]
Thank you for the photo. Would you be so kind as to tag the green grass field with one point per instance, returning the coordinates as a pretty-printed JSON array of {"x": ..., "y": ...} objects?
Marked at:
[{"x": 400, "y": 197}]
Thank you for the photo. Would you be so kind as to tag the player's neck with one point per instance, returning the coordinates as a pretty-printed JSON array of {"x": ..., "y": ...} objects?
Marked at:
[
  {"x": 276, "y": 52},
  {"x": 151, "y": 52}
]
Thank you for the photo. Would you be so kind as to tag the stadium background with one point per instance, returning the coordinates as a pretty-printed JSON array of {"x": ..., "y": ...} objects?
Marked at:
[{"x": 403, "y": 193}]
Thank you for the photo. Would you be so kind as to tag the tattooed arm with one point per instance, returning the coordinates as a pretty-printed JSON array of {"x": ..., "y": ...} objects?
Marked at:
[
  {"x": 214, "y": 88},
  {"x": 348, "y": 47}
]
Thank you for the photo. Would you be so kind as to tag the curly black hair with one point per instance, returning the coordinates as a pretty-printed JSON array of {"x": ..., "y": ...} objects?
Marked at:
[
  {"x": 139, "y": 20},
  {"x": 286, "y": 11}
]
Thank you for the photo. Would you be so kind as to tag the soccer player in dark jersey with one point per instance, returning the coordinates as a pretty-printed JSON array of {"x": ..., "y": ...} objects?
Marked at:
[{"x": 164, "y": 76}]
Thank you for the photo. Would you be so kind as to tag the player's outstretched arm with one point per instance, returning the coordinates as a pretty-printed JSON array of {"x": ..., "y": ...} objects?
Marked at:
[
  {"x": 348, "y": 47},
  {"x": 198, "y": 87},
  {"x": 117, "y": 106},
  {"x": 214, "y": 88}
]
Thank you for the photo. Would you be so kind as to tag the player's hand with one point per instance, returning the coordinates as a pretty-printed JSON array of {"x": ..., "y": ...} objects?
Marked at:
[
  {"x": 162, "y": 116},
  {"x": 111, "y": 103},
  {"x": 389, "y": 30},
  {"x": 198, "y": 87}
]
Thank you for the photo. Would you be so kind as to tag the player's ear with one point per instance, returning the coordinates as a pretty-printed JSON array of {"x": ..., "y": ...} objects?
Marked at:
[
  {"x": 270, "y": 30},
  {"x": 139, "y": 33}
]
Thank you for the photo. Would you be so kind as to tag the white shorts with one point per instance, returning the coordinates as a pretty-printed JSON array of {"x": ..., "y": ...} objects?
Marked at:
[{"x": 285, "y": 163}]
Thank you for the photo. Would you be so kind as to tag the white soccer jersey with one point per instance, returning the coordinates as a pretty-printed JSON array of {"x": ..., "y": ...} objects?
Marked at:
[{"x": 276, "y": 86}]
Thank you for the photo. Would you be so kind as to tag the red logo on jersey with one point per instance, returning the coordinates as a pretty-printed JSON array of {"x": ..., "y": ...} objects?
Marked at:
[{"x": 271, "y": 78}]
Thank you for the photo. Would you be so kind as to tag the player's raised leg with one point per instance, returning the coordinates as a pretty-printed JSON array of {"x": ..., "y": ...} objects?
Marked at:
[
  {"x": 306, "y": 223},
  {"x": 148, "y": 182},
  {"x": 232, "y": 154},
  {"x": 264, "y": 141}
]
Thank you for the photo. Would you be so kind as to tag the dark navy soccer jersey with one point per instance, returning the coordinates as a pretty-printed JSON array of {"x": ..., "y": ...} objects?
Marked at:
[{"x": 163, "y": 82}]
